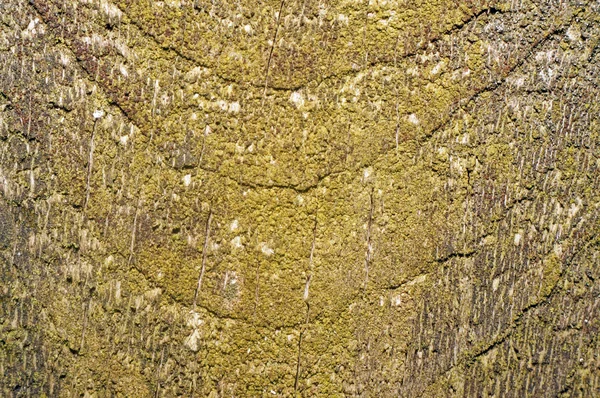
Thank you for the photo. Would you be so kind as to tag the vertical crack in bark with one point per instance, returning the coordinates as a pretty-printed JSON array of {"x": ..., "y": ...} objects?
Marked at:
[
  {"x": 89, "y": 168},
  {"x": 368, "y": 251},
  {"x": 272, "y": 48},
  {"x": 300, "y": 346},
  {"x": 364, "y": 34},
  {"x": 204, "y": 254}
]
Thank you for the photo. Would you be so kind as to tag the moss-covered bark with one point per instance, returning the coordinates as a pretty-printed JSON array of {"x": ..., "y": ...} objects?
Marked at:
[{"x": 299, "y": 198}]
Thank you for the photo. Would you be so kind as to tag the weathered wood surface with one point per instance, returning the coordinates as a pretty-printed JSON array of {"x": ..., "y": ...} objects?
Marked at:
[{"x": 299, "y": 198}]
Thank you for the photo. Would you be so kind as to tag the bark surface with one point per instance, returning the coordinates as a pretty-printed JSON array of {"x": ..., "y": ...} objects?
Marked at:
[{"x": 216, "y": 198}]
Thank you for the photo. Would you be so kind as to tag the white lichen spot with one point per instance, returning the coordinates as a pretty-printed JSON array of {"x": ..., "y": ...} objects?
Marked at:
[
  {"x": 306, "y": 288},
  {"x": 207, "y": 130},
  {"x": 118, "y": 290},
  {"x": 299, "y": 200},
  {"x": 412, "y": 118},
  {"x": 575, "y": 207},
  {"x": 64, "y": 59},
  {"x": 248, "y": 29},
  {"x": 322, "y": 11},
  {"x": 187, "y": 180},
  {"x": 194, "y": 320},
  {"x": 98, "y": 113},
  {"x": 122, "y": 48},
  {"x": 414, "y": 71},
  {"x": 231, "y": 279},
  {"x": 234, "y": 225},
  {"x": 343, "y": 19},
  {"x": 517, "y": 239},
  {"x": 558, "y": 250},
  {"x": 516, "y": 81},
  {"x": 367, "y": 174},
  {"x": 437, "y": 68},
  {"x": 222, "y": 104},
  {"x": 234, "y": 107},
  {"x": 237, "y": 243},
  {"x": 547, "y": 75},
  {"x": 573, "y": 33},
  {"x": 123, "y": 139},
  {"x": 495, "y": 284},
  {"x": 32, "y": 29},
  {"x": 464, "y": 139},
  {"x": 110, "y": 10},
  {"x": 32, "y": 24},
  {"x": 442, "y": 153},
  {"x": 123, "y": 70},
  {"x": 266, "y": 250},
  {"x": 192, "y": 340},
  {"x": 558, "y": 209},
  {"x": 297, "y": 99},
  {"x": 545, "y": 56},
  {"x": 396, "y": 301}
]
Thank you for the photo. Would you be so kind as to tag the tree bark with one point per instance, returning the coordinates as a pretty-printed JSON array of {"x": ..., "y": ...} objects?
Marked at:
[{"x": 299, "y": 198}]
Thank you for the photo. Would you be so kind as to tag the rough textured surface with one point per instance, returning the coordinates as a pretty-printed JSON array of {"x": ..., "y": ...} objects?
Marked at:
[{"x": 299, "y": 198}]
